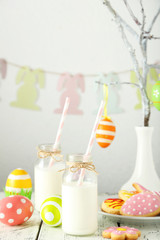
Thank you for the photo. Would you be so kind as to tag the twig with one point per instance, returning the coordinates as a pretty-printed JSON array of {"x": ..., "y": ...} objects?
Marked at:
[
  {"x": 115, "y": 83},
  {"x": 153, "y": 21},
  {"x": 143, "y": 46},
  {"x": 146, "y": 102},
  {"x": 126, "y": 25},
  {"x": 154, "y": 66},
  {"x": 149, "y": 37},
  {"x": 128, "y": 45},
  {"x": 143, "y": 17},
  {"x": 131, "y": 30},
  {"x": 131, "y": 13},
  {"x": 132, "y": 53}
]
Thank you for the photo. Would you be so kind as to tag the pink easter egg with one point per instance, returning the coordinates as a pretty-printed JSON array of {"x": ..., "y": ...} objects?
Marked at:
[{"x": 15, "y": 210}]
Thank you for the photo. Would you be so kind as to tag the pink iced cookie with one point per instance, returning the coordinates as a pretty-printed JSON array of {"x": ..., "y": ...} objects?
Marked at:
[
  {"x": 121, "y": 233},
  {"x": 140, "y": 188},
  {"x": 144, "y": 204}
]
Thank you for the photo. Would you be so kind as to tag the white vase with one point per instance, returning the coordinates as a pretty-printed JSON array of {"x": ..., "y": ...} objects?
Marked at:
[{"x": 144, "y": 172}]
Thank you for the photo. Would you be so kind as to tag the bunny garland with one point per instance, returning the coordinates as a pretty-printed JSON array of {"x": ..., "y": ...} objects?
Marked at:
[{"x": 69, "y": 85}]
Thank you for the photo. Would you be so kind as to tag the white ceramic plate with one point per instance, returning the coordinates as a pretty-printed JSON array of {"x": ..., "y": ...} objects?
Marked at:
[{"x": 126, "y": 219}]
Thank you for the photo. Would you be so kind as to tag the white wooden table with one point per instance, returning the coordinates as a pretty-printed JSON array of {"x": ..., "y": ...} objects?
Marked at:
[{"x": 34, "y": 229}]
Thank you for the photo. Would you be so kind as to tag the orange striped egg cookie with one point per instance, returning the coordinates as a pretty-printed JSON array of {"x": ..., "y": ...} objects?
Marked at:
[
  {"x": 18, "y": 182},
  {"x": 112, "y": 205},
  {"x": 105, "y": 132}
]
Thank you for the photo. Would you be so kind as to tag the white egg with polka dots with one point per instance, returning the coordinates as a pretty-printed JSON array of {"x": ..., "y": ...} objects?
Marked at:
[{"x": 15, "y": 210}]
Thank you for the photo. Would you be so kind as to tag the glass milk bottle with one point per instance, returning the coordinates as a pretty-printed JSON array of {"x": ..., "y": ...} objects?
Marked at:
[
  {"x": 79, "y": 196},
  {"x": 47, "y": 179}
]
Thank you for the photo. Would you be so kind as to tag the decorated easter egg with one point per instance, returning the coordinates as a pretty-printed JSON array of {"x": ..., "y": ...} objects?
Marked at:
[
  {"x": 19, "y": 183},
  {"x": 156, "y": 95},
  {"x": 51, "y": 211},
  {"x": 105, "y": 132},
  {"x": 15, "y": 210}
]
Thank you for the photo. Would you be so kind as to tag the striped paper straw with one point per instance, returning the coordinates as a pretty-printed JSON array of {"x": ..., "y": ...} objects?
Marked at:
[
  {"x": 91, "y": 140},
  {"x": 59, "y": 132}
]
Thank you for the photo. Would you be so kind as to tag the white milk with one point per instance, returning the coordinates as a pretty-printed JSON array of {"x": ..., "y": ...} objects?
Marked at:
[
  {"x": 79, "y": 208},
  {"x": 47, "y": 182}
]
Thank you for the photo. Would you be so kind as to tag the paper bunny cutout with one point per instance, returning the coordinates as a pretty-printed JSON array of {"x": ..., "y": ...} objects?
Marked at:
[
  {"x": 3, "y": 68},
  {"x": 152, "y": 77},
  {"x": 69, "y": 84},
  {"x": 113, "y": 94},
  {"x": 27, "y": 93}
]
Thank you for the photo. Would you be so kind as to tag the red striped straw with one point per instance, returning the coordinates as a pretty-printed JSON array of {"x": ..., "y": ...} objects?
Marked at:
[
  {"x": 59, "y": 132},
  {"x": 91, "y": 140}
]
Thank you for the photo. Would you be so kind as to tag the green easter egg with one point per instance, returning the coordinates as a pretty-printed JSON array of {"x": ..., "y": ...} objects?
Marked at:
[
  {"x": 156, "y": 95},
  {"x": 51, "y": 211}
]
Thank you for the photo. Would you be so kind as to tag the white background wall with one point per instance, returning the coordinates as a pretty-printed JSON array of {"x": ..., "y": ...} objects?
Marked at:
[{"x": 73, "y": 36}]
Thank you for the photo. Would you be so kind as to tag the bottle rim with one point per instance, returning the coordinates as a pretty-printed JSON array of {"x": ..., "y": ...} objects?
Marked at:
[
  {"x": 78, "y": 157},
  {"x": 48, "y": 147}
]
